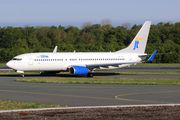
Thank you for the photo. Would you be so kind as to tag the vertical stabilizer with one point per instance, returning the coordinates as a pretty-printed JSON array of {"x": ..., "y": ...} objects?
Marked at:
[{"x": 138, "y": 45}]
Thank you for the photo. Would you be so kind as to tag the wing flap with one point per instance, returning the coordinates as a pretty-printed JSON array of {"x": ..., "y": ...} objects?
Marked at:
[{"x": 92, "y": 66}]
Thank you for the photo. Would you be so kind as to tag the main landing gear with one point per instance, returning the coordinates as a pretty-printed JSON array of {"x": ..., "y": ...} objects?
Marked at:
[{"x": 89, "y": 75}]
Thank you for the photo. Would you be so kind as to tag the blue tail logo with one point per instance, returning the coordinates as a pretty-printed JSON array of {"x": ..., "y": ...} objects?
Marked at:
[{"x": 136, "y": 44}]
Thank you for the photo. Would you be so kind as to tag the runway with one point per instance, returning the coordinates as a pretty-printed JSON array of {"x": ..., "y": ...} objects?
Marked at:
[
  {"x": 87, "y": 94},
  {"x": 93, "y": 94}
]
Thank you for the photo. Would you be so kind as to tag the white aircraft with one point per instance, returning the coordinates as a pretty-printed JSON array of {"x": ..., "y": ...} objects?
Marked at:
[{"x": 84, "y": 63}]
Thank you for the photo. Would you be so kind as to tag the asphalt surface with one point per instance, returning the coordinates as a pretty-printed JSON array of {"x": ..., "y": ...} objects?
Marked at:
[
  {"x": 87, "y": 94},
  {"x": 91, "y": 94}
]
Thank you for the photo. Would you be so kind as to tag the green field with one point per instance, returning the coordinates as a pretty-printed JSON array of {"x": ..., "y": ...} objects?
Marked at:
[
  {"x": 139, "y": 72},
  {"x": 15, "y": 73},
  {"x": 103, "y": 72},
  {"x": 2, "y": 64},
  {"x": 10, "y": 105}
]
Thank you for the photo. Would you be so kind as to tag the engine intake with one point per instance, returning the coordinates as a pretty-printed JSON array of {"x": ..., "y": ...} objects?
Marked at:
[{"x": 78, "y": 70}]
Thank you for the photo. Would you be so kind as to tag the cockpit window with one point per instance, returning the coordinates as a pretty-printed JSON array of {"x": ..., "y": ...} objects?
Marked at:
[{"x": 18, "y": 59}]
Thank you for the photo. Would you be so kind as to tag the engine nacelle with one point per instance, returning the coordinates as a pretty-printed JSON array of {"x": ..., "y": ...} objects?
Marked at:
[{"x": 78, "y": 70}]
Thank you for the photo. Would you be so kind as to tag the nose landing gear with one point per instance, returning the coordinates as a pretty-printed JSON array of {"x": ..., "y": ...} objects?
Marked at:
[{"x": 19, "y": 71}]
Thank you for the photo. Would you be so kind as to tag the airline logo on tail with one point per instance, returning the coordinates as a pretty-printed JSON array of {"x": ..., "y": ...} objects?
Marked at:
[{"x": 137, "y": 42}]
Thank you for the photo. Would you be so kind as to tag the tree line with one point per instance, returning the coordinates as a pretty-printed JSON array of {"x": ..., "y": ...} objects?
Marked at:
[{"x": 163, "y": 37}]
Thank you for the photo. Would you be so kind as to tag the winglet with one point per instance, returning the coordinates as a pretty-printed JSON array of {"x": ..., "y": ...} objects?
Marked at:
[
  {"x": 152, "y": 57},
  {"x": 55, "y": 50}
]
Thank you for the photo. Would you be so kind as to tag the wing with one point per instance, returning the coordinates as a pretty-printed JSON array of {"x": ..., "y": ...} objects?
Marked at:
[{"x": 92, "y": 66}]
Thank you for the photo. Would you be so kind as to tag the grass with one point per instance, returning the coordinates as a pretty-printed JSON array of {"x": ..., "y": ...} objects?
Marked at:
[
  {"x": 2, "y": 64},
  {"x": 15, "y": 73},
  {"x": 100, "y": 80},
  {"x": 148, "y": 72},
  {"x": 139, "y": 72},
  {"x": 108, "y": 72},
  {"x": 10, "y": 105}
]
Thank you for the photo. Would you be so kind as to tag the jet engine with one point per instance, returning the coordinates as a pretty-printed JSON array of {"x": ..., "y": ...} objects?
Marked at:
[{"x": 78, "y": 70}]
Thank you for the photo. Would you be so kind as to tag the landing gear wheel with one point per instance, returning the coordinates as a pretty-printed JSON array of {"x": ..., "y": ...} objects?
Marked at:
[
  {"x": 22, "y": 75},
  {"x": 90, "y": 75}
]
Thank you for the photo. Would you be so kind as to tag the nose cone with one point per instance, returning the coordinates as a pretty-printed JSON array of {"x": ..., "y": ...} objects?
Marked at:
[{"x": 9, "y": 64}]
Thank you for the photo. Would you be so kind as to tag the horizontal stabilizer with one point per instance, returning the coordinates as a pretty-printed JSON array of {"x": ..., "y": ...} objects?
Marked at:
[
  {"x": 156, "y": 54},
  {"x": 163, "y": 53},
  {"x": 152, "y": 57}
]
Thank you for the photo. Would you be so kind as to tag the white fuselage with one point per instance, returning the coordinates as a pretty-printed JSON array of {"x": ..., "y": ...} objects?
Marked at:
[
  {"x": 83, "y": 63},
  {"x": 62, "y": 61}
]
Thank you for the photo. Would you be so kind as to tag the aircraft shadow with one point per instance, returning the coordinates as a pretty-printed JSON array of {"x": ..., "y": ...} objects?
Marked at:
[
  {"x": 105, "y": 74},
  {"x": 58, "y": 75}
]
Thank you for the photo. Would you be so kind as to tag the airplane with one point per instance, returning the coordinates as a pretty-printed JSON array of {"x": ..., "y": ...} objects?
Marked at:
[{"x": 84, "y": 63}]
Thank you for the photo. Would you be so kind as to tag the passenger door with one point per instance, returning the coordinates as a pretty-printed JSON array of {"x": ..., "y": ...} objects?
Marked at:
[{"x": 30, "y": 60}]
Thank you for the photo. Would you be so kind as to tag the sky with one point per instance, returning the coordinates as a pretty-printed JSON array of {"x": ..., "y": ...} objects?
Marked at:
[{"x": 21, "y": 13}]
